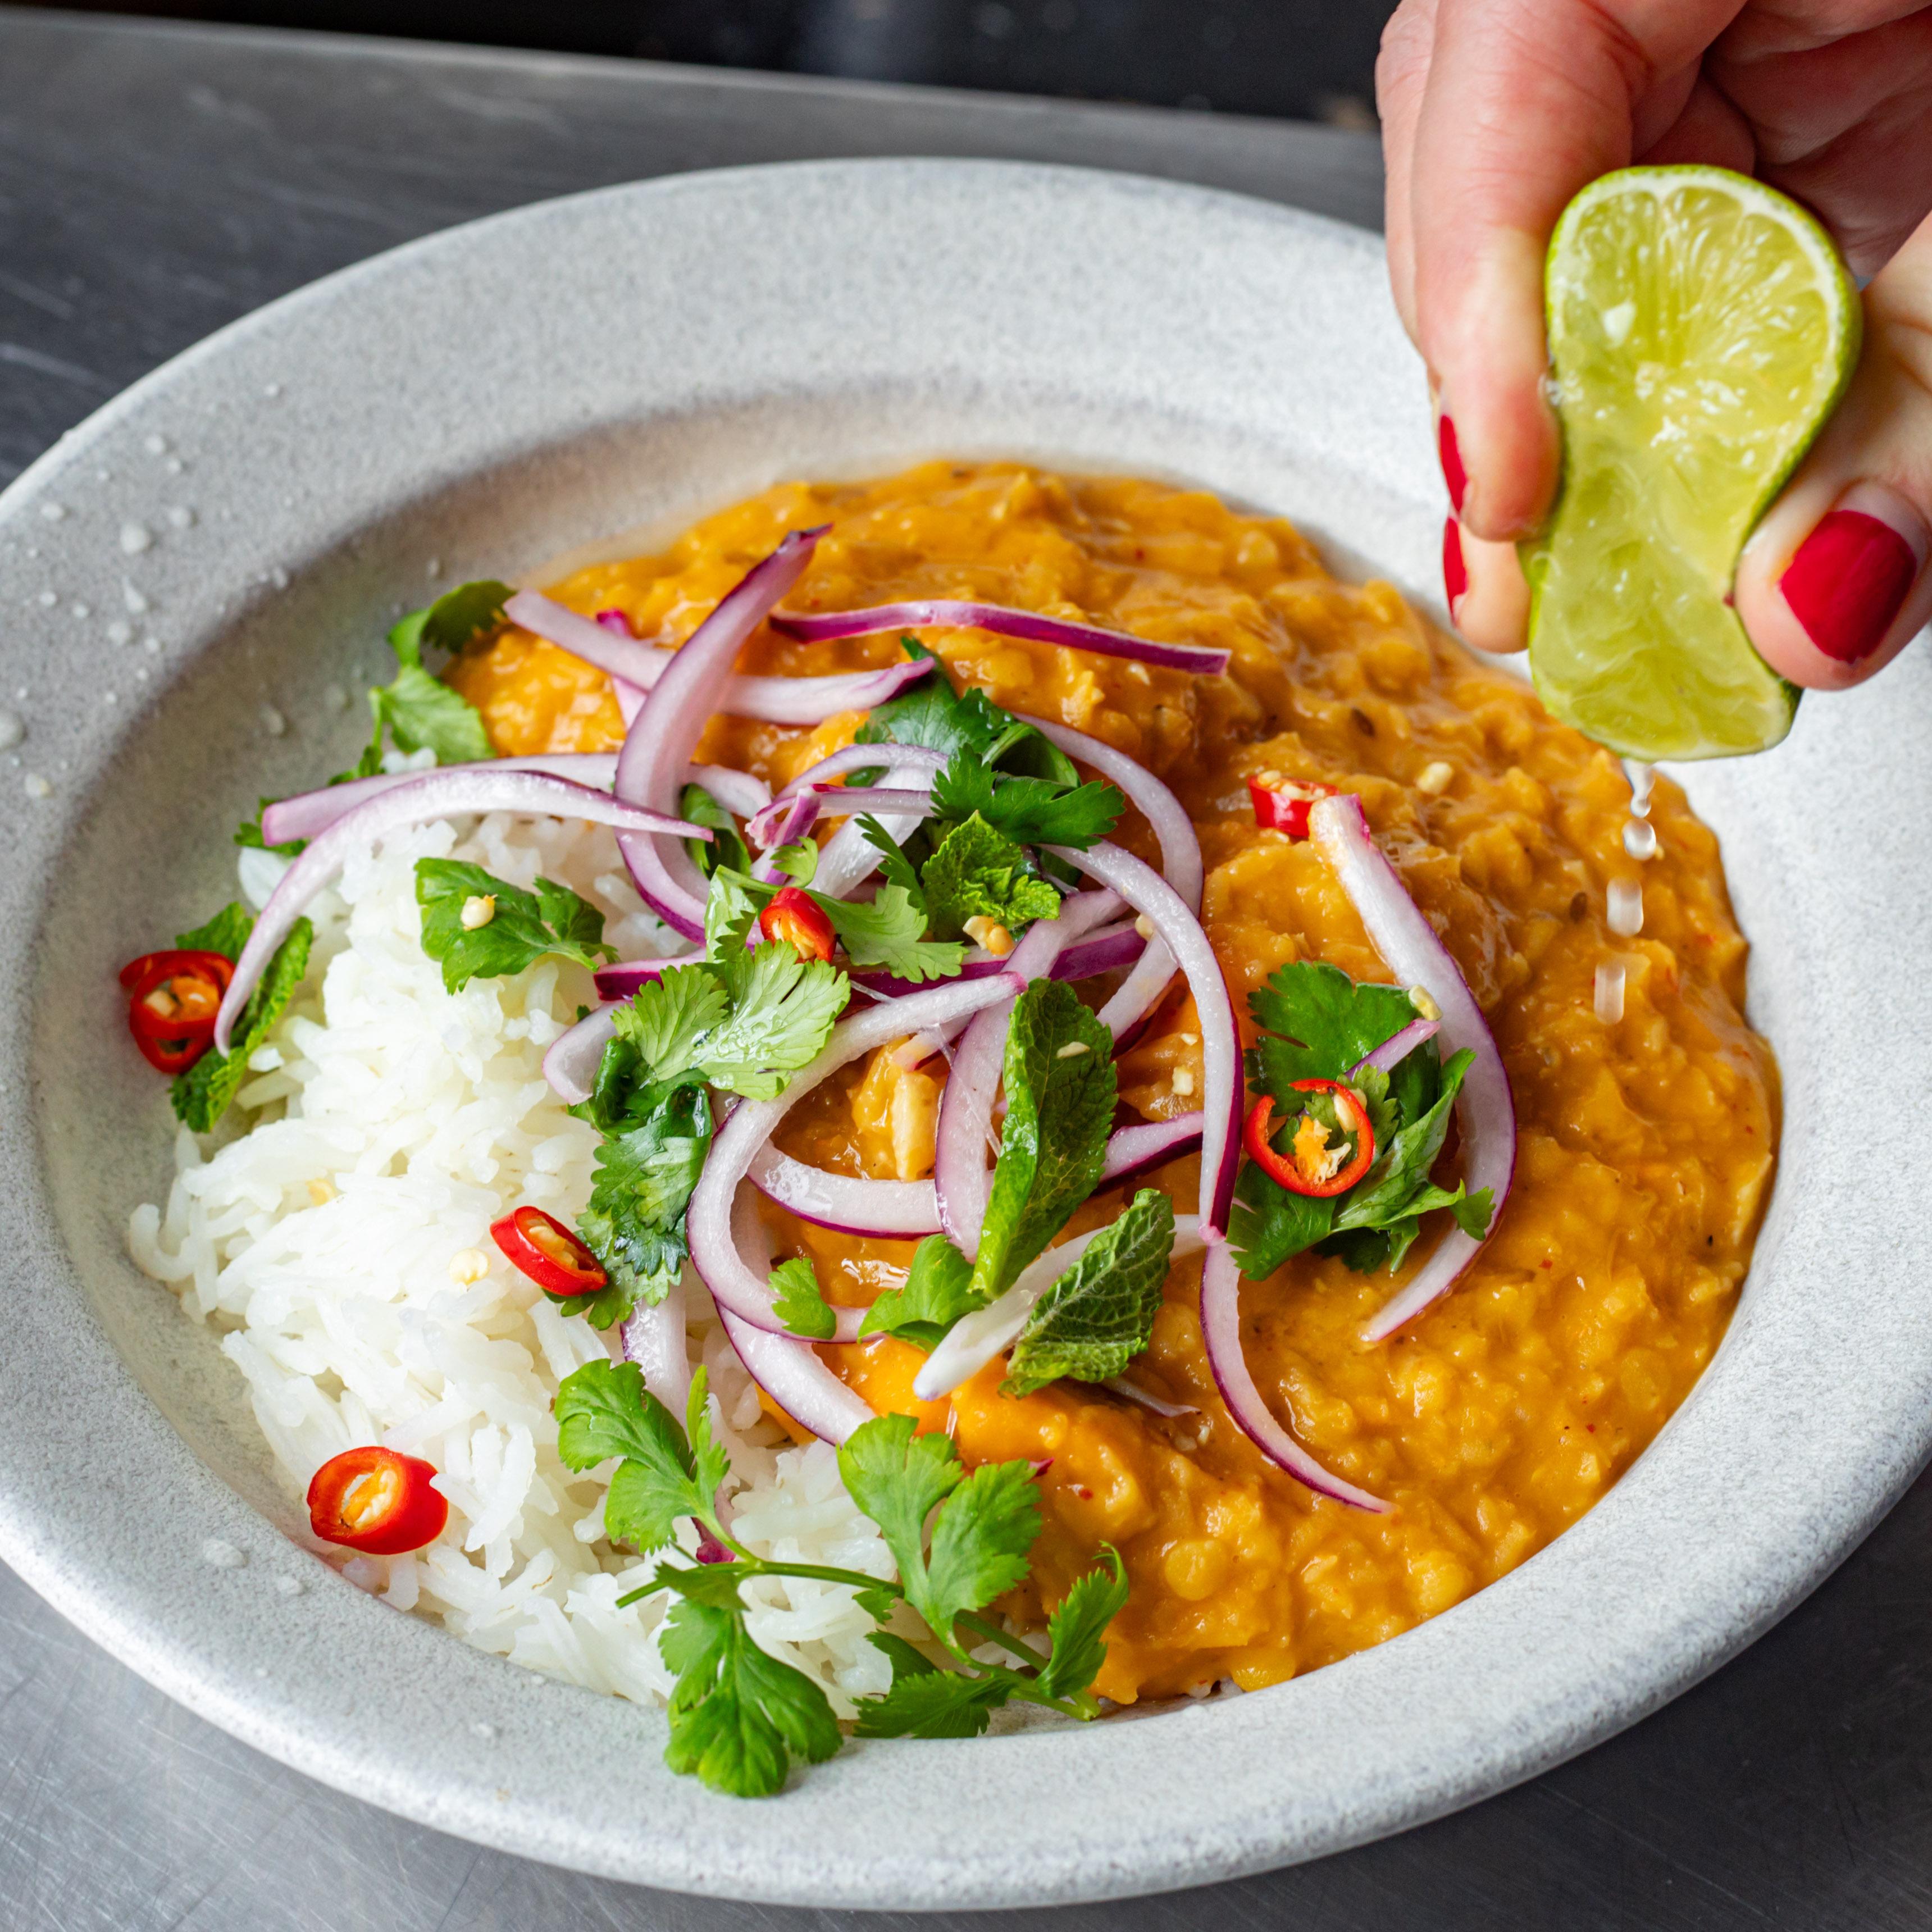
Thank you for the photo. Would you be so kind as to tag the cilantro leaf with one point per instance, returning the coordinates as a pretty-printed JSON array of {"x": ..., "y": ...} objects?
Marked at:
[
  {"x": 898, "y": 1478},
  {"x": 417, "y": 710},
  {"x": 1270, "y": 1223},
  {"x": 453, "y": 623},
  {"x": 201, "y": 1095},
  {"x": 932, "y": 714},
  {"x": 1401, "y": 1168},
  {"x": 603, "y": 1409},
  {"x": 737, "y": 1716},
  {"x": 800, "y": 1302},
  {"x": 1060, "y": 1095},
  {"x": 783, "y": 1010},
  {"x": 1029, "y": 811},
  {"x": 696, "y": 806},
  {"x": 1077, "y": 1627},
  {"x": 249, "y": 833},
  {"x": 932, "y": 1703},
  {"x": 1316, "y": 1023},
  {"x": 889, "y": 932},
  {"x": 522, "y": 926},
  {"x": 635, "y": 1220},
  {"x": 938, "y": 1290},
  {"x": 1100, "y": 1315},
  {"x": 980, "y": 1543},
  {"x": 668, "y": 1019},
  {"x": 977, "y": 872},
  {"x": 892, "y": 860}
]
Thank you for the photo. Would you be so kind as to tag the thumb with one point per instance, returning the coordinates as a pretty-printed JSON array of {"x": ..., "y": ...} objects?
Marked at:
[{"x": 1833, "y": 583}]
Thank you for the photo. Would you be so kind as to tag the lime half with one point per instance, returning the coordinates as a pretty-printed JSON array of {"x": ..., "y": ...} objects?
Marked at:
[{"x": 1702, "y": 328}]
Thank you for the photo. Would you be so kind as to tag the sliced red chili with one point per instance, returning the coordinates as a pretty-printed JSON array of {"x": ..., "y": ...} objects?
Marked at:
[
  {"x": 548, "y": 1252},
  {"x": 377, "y": 1500},
  {"x": 173, "y": 998},
  {"x": 1281, "y": 804},
  {"x": 1299, "y": 1170},
  {"x": 792, "y": 919}
]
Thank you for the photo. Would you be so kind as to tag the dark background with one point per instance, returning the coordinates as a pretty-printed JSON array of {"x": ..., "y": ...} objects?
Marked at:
[{"x": 1308, "y": 59}]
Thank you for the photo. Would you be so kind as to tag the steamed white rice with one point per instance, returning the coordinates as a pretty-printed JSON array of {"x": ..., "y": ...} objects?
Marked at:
[{"x": 334, "y": 1245}]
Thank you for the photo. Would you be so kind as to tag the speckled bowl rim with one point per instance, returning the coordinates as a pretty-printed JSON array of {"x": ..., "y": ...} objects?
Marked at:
[{"x": 1112, "y": 321}]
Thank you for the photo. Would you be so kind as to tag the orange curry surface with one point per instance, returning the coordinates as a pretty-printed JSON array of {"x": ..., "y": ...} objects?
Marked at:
[{"x": 1645, "y": 1148}]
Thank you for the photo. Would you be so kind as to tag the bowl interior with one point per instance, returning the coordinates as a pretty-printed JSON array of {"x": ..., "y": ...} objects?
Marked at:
[{"x": 318, "y": 521}]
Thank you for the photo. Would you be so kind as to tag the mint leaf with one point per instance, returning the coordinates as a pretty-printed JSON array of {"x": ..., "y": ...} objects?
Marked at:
[
  {"x": 201, "y": 1095},
  {"x": 1060, "y": 1095},
  {"x": 1100, "y": 1315},
  {"x": 737, "y": 1716},
  {"x": 226, "y": 933},
  {"x": 938, "y": 1290},
  {"x": 799, "y": 1303},
  {"x": 932, "y": 1703},
  {"x": 522, "y": 928},
  {"x": 1317, "y": 1023},
  {"x": 978, "y": 872},
  {"x": 635, "y": 1220},
  {"x": 1077, "y": 1627}
]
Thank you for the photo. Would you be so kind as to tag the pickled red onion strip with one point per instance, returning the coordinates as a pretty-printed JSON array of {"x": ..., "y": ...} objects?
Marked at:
[
  {"x": 1003, "y": 620},
  {"x": 462, "y": 790}
]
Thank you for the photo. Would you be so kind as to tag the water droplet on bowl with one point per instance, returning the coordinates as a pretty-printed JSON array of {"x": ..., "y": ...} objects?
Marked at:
[
  {"x": 135, "y": 538},
  {"x": 222, "y": 1555}
]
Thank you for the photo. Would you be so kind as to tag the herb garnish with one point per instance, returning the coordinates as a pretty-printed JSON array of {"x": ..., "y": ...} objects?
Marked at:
[
  {"x": 738, "y": 1717},
  {"x": 1319, "y": 1024},
  {"x": 521, "y": 927},
  {"x": 201, "y": 1095}
]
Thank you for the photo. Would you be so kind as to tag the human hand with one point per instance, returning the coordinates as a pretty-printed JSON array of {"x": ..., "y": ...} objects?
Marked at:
[{"x": 1495, "y": 113}]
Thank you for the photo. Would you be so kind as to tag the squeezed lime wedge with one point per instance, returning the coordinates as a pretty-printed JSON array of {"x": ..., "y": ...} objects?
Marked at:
[{"x": 1701, "y": 329}]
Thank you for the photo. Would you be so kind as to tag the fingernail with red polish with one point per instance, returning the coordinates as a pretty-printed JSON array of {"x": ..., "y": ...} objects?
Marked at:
[
  {"x": 1455, "y": 571},
  {"x": 1452, "y": 472},
  {"x": 1850, "y": 576}
]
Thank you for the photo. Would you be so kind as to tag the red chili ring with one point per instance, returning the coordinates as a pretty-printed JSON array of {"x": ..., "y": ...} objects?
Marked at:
[
  {"x": 377, "y": 1500},
  {"x": 1255, "y": 1137},
  {"x": 791, "y": 918},
  {"x": 543, "y": 1248}
]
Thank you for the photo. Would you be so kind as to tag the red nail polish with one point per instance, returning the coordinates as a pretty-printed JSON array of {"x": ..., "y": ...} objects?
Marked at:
[
  {"x": 1846, "y": 582},
  {"x": 1455, "y": 571},
  {"x": 1452, "y": 472}
]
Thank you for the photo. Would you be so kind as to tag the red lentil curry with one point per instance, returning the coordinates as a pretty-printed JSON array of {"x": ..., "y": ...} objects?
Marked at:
[{"x": 1645, "y": 1145}]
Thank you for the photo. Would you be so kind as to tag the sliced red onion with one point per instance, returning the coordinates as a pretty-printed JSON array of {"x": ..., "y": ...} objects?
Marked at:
[
  {"x": 787, "y": 1369},
  {"x": 781, "y": 823},
  {"x": 310, "y": 812},
  {"x": 848, "y": 858},
  {"x": 463, "y": 790},
  {"x": 741, "y": 792},
  {"x": 906, "y": 1210},
  {"x": 1132, "y": 1150},
  {"x": 959, "y": 1170},
  {"x": 1221, "y": 1332},
  {"x": 865, "y": 758},
  {"x": 1138, "y": 993},
  {"x": 959, "y": 614},
  {"x": 792, "y": 814},
  {"x": 1173, "y": 829},
  {"x": 1408, "y": 945},
  {"x": 653, "y": 1338},
  {"x": 1102, "y": 952},
  {"x": 1176, "y": 928},
  {"x": 1393, "y": 1050},
  {"x": 974, "y": 1339},
  {"x": 629, "y": 977},
  {"x": 570, "y": 1064},
  {"x": 1120, "y": 1386},
  {"x": 848, "y": 1204},
  {"x": 665, "y": 732},
  {"x": 774, "y": 700},
  {"x": 732, "y": 1285}
]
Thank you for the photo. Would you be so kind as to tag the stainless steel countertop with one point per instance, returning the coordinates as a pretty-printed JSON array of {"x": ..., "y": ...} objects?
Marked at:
[{"x": 156, "y": 181}]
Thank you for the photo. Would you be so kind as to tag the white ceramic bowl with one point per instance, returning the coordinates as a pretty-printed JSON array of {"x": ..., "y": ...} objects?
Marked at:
[{"x": 492, "y": 397}]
